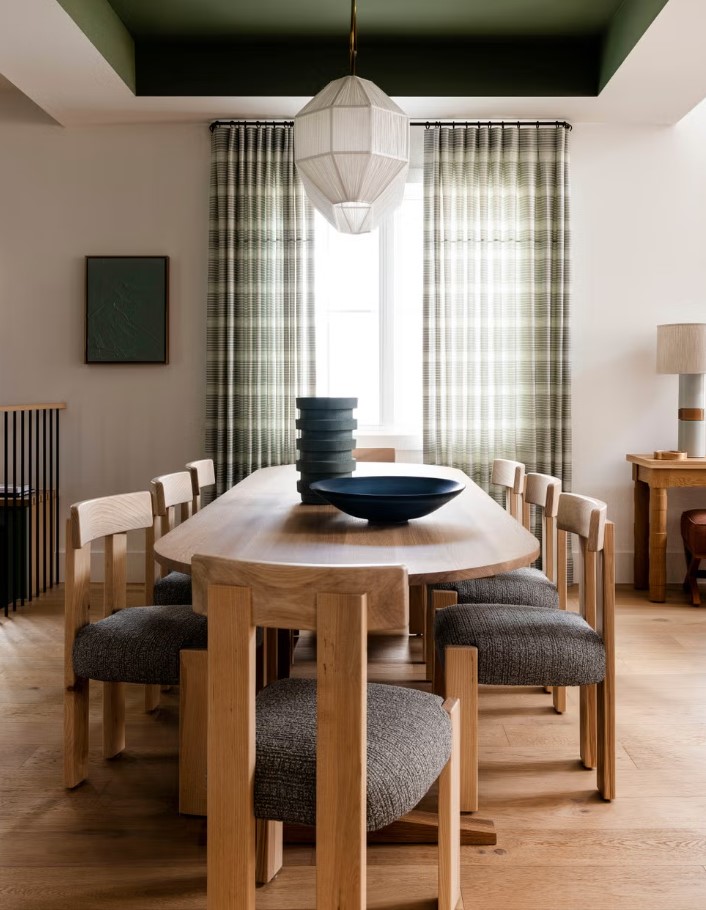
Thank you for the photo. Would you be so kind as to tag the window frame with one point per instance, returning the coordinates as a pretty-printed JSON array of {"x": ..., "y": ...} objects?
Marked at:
[{"x": 388, "y": 431}]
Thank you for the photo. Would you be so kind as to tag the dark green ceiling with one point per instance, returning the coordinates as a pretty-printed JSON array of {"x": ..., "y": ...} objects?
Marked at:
[
  {"x": 235, "y": 18},
  {"x": 411, "y": 47}
]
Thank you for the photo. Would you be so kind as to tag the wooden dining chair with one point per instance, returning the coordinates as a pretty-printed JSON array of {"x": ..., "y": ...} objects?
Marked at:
[
  {"x": 510, "y": 475},
  {"x": 335, "y": 752},
  {"x": 506, "y": 645},
  {"x": 129, "y": 644},
  {"x": 203, "y": 476},
  {"x": 172, "y": 497},
  {"x": 529, "y": 586},
  {"x": 178, "y": 494}
]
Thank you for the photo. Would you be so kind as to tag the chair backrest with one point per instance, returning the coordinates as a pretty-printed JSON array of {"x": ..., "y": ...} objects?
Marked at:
[
  {"x": 203, "y": 474},
  {"x": 387, "y": 455},
  {"x": 170, "y": 492},
  {"x": 290, "y": 593},
  {"x": 542, "y": 491},
  {"x": 340, "y": 603},
  {"x": 511, "y": 475},
  {"x": 108, "y": 518},
  {"x": 586, "y": 517}
]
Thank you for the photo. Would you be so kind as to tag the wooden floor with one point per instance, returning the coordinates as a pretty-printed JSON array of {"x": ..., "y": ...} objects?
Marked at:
[{"x": 118, "y": 842}]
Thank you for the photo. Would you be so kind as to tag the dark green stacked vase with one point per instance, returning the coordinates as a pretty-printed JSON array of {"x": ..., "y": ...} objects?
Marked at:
[{"x": 325, "y": 442}]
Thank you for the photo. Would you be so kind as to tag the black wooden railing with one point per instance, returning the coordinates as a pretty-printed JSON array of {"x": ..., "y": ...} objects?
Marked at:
[{"x": 29, "y": 501}]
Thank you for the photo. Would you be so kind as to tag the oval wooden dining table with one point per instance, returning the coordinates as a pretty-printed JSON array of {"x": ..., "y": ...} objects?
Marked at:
[{"x": 262, "y": 519}]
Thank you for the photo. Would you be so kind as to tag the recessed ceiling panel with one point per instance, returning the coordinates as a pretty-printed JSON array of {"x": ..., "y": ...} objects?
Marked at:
[
  {"x": 238, "y": 18},
  {"x": 412, "y": 47}
]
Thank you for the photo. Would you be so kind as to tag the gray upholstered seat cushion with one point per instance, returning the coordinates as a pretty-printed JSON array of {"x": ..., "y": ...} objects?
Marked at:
[
  {"x": 524, "y": 646},
  {"x": 174, "y": 588},
  {"x": 521, "y": 586},
  {"x": 409, "y": 742},
  {"x": 138, "y": 644}
]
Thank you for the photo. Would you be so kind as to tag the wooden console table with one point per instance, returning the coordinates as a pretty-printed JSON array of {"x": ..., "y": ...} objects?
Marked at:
[{"x": 653, "y": 478}]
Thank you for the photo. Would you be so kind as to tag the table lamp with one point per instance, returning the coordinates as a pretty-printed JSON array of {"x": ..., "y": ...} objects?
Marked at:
[{"x": 681, "y": 348}]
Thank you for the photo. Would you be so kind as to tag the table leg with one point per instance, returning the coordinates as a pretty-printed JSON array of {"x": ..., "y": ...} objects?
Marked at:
[
  {"x": 277, "y": 654},
  {"x": 658, "y": 544},
  {"x": 193, "y": 760},
  {"x": 641, "y": 566},
  {"x": 417, "y": 609},
  {"x": 429, "y": 643}
]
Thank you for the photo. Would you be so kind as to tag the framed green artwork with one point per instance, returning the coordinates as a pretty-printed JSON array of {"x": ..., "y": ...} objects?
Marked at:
[{"x": 127, "y": 309}]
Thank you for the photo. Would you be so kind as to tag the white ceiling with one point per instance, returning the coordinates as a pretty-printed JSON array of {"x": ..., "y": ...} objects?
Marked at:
[{"x": 47, "y": 57}]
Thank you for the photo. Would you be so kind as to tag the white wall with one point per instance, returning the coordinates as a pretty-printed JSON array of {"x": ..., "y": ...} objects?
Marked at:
[
  {"x": 111, "y": 190},
  {"x": 639, "y": 234},
  {"x": 639, "y": 231}
]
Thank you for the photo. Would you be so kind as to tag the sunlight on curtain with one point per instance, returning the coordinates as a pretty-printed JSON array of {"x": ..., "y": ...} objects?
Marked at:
[
  {"x": 260, "y": 313},
  {"x": 496, "y": 299}
]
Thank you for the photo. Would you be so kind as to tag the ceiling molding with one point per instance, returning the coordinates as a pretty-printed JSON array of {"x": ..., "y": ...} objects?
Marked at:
[
  {"x": 627, "y": 26},
  {"x": 100, "y": 24}
]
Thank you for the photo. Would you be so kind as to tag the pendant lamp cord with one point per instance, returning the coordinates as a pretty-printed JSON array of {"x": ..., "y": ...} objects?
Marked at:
[{"x": 353, "y": 44}]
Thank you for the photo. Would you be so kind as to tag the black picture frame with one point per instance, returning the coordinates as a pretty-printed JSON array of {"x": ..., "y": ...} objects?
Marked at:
[{"x": 127, "y": 310}]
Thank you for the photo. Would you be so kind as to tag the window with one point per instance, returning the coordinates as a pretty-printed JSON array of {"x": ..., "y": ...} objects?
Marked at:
[{"x": 368, "y": 292}]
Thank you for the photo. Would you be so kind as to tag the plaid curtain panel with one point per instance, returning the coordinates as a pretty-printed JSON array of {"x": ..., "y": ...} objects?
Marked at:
[
  {"x": 260, "y": 312},
  {"x": 496, "y": 299}
]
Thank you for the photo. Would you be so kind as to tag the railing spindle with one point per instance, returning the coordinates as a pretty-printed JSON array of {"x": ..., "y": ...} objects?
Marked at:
[
  {"x": 44, "y": 501},
  {"x": 21, "y": 514},
  {"x": 13, "y": 535},
  {"x": 30, "y": 538},
  {"x": 30, "y": 499},
  {"x": 51, "y": 499},
  {"x": 6, "y": 518},
  {"x": 36, "y": 503},
  {"x": 56, "y": 504}
]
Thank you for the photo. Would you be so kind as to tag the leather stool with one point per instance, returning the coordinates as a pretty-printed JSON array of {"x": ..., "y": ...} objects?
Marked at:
[{"x": 693, "y": 531}]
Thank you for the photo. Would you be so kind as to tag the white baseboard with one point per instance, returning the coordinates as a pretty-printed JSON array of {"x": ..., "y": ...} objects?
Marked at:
[{"x": 624, "y": 568}]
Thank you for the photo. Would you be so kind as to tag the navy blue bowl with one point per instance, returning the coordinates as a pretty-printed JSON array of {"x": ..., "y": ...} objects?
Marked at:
[{"x": 388, "y": 500}]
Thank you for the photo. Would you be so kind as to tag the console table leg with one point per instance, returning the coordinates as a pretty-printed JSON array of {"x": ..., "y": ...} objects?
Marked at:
[
  {"x": 658, "y": 544},
  {"x": 641, "y": 565}
]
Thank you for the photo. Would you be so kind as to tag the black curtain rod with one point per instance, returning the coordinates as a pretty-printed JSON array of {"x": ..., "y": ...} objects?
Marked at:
[
  {"x": 250, "y": 123},
  {"x": 438, "y": 124},
  {"x": 427, "y": 124}
]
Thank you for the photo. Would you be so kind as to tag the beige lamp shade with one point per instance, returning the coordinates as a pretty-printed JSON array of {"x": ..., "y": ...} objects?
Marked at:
[
  {"x": 681, "y": 347},
  {"x": 351, "y": 148}
]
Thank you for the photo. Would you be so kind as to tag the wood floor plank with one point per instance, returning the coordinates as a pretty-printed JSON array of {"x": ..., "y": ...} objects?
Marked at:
[
  {"x": 599, "y": 887},
  {"x": 566, "y": 847}
]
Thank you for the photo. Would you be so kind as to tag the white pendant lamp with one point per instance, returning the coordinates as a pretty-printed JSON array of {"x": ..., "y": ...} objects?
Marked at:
[{"x": 351, "y": 148}]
